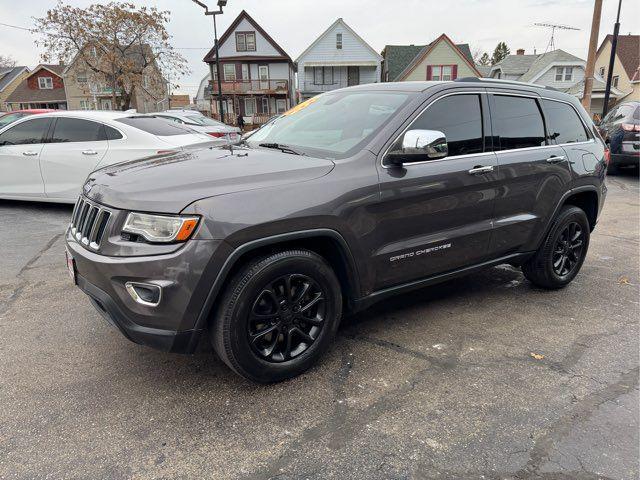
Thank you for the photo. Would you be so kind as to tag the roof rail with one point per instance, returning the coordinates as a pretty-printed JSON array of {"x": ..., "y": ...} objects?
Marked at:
[{"x": 500, "y": 80}]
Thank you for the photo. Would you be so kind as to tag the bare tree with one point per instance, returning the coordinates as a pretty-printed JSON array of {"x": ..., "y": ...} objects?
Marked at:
[
  {"x": 7, "y": 61},
  {"x": 117, "y": 42}
]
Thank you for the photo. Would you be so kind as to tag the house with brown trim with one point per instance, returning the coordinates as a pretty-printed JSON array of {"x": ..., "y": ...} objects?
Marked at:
[
  {"x": 41, "y": 88},
  {"x": 626, "y": 66},
  {"x": 441, "y": 59},
  {"x": 258, "y": 76}
]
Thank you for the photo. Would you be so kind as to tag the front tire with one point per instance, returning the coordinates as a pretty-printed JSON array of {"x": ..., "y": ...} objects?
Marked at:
[
  {"x": 561, "y": 255},
  {"x": 277, "y": 316}
]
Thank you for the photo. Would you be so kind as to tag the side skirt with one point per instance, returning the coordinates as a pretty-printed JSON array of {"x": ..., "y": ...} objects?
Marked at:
[{"x": 366, "y": 302}]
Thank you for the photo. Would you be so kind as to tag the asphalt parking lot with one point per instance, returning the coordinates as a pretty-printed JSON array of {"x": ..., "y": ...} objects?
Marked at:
[{"x": 481, "y": 377}]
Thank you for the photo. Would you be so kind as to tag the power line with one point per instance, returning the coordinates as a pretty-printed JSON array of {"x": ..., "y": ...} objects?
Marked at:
[{"x": 15, "y": 26}]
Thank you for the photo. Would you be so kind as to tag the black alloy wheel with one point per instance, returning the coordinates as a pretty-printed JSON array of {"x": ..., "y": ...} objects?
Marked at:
[
  {"x": 567, "y": 251},
  {"x": 286, "y": 318}
]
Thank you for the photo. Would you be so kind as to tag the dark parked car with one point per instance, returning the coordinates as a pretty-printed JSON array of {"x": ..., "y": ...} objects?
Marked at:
[
  {"x": 362, "y": 193},
  {"x": 620, "y": 129}
]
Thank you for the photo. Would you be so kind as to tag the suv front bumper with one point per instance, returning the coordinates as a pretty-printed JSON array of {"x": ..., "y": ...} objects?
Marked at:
[{"x": 186, "y": 277}]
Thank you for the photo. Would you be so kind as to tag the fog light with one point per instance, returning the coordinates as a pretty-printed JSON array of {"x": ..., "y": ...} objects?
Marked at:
[{"x": 146, "y": 294}]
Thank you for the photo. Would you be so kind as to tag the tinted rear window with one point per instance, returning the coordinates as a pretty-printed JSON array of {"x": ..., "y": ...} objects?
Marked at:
[
  {"x": 77, "y": 130},
  {"x": 518, "y": 122},
  {"x": 563, "y": 123},
  {"x": 155, "y": 126}
]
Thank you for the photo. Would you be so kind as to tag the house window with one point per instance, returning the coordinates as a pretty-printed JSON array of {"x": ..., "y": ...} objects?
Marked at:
[
  {"x": 81, "y": 77},
  {"x": 281, "y": 105},
  {"x": 323, "y": 75},
  {"x": 602, "y": 71},
  {"x": 441, "y": 72},
  {"x": 229, "y": 70},
  {"x": 245, "y": 41},
  {"x": 45, "y": 83},
  {"x": 339, "y": 41},
  {"x": 249, "y": 106},
  {"x": 564, "y": 74},
  {"x": 265, "y": 105},
  {"x": 568, "y": 74},
  {"x": 615, "y": 80},
  {"x": 85, "y": 105}
]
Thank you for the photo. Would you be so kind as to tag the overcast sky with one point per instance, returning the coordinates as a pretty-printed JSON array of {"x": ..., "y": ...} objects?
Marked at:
[{"x": 294, "y": 24}]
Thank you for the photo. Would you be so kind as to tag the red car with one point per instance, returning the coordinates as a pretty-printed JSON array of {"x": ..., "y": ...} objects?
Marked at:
[{"x": 10, "y": 117}]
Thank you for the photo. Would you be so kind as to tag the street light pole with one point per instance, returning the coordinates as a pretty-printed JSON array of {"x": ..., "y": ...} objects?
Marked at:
[
  {"x": 612, "y": 59},
  {"x": 221, "y": 3}
]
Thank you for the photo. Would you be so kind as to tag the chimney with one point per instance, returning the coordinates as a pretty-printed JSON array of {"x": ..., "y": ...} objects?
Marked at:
[{"x": 520, "y": 51}]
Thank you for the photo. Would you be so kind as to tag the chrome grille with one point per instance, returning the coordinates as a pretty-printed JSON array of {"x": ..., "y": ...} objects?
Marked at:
[{"x": 88, "y": 223}]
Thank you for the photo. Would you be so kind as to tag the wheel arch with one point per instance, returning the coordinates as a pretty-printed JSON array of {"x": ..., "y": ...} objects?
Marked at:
[
  {"x": 588, "y": 201},
  {"x": 327, "y": 243}
]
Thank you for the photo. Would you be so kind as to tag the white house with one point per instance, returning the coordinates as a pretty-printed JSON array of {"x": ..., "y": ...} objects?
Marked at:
[
  {"x": 337, "y": 58},
  {"x": 258, "y": 76}
]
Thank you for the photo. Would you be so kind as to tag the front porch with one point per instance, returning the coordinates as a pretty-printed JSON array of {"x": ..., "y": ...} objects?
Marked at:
[
  {"x": 320, "y": 77},
  {"x": 254, "y": 109}
]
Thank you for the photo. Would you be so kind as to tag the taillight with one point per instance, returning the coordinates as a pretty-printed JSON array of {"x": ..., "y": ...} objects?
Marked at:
[
  {"x": 216, "y": 134},
  {"x": 607, "y": 156},
  {"x": 631, "y": 127}
]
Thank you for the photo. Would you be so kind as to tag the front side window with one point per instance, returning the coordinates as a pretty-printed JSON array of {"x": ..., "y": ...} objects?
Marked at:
[
  {"x": 563, "y": 123},
  {"x": 26, "y": 133},
  {"x": 45, "y": 83},
  {"x": 518, "y": 122},
  {"x": 229, "y": 72},
  {"x": 77, "y": 130},
  {"x": 332, "y": 125},
  {"x": 459, "y": 117}
]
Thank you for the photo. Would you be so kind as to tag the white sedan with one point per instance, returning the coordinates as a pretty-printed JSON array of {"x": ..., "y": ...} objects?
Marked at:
[
  {"x": 202, "y": 124},
  {"x": 47, "y": 157}
]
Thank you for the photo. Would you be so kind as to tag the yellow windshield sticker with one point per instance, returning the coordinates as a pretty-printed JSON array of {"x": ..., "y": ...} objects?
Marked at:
[{"x": 300, "y": 106}]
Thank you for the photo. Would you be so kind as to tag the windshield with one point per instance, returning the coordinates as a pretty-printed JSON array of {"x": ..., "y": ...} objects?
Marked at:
[
  {"x": 202, "y": 120},
  {"x": 331, "y": 125}
]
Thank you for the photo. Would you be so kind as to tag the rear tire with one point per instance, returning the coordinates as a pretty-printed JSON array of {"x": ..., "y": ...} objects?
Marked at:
[
  {"x": 561, "y": 255},
  {"x": 277, "y": 316}
]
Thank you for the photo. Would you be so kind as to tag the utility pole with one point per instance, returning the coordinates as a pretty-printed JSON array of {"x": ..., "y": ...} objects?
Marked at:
[
  {"x": 612, "y": 59},
  {"x": 591, "y": 56},
  {"x": 221, "y": 3}
]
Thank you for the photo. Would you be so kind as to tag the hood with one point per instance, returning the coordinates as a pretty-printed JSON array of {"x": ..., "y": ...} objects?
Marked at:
[{"x": 167, "y": 184}]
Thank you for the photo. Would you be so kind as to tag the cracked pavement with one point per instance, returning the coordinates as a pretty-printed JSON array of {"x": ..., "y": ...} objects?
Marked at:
[{"x": 480, "y": 377}]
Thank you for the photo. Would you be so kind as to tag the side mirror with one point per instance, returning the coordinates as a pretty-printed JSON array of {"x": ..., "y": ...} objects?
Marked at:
[{"x": 418, "y": 146}]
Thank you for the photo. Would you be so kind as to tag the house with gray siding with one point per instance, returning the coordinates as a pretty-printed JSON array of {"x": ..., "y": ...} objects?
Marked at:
[
  {"x": 258, "y": 76},
  {"x": 338, "y": 58},
  {"x": 557, "y": 69}
]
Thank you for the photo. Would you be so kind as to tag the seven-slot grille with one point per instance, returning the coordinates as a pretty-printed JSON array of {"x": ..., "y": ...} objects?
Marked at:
[{"x": 89, "y": 222}]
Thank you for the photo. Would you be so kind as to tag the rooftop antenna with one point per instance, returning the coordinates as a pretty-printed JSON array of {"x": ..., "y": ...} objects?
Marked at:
[{"x": 551, "y": 45}]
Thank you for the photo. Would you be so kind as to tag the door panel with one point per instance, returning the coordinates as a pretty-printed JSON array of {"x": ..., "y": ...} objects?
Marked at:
[
  {"x": 433, "y": 218},
  {"x": 20, "y": 150},
  {"x": 532, "y": 174},
  {"x": 77, "y": 147},
  {"x": 436, "y": 216}
]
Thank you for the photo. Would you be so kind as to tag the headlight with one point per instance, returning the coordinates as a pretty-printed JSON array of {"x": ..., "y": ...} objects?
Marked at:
[{"x": 160, "y": 228}]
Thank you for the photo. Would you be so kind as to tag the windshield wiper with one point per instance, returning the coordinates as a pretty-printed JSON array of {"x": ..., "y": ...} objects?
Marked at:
[{"x": 280, "y": 146}]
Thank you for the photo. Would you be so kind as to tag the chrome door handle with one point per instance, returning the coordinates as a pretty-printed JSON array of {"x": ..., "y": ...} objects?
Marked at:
[
  {"x": 555, "y": 159},
  {"x": 89, "y": 152},
  {"x": 480, "y": 170},
  {"x": 30, "y": 153}
]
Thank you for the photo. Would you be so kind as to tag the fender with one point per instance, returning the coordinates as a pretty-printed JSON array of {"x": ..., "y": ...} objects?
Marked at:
[
  {"x": 556, "y": 210},
  {"x": 354, "y": 279}
]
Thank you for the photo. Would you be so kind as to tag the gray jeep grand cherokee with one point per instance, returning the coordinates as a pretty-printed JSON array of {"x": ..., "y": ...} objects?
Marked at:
[{"x": 348, "y": 198}]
